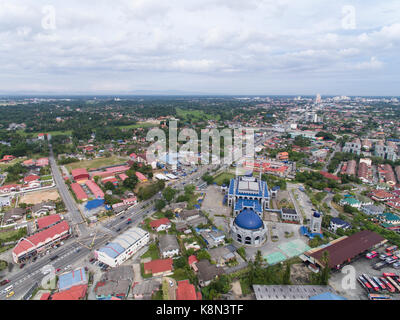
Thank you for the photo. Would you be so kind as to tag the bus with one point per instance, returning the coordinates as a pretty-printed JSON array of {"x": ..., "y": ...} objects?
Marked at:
[
  {"x": 373, "y": 284},
  {"x": 364, "y": 283},
  {"x": 394, "y": 283},
  {"x": 374, "y": 296},
  {"x": 389, "y": 274},
  {"x": 389, "y": 286},
  {"x": 379, "y": 283}
]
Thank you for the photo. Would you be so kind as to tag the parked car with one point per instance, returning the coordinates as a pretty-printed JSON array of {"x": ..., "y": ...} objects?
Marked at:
[
  {"x": 10, "y": 294},
  {"x": 371, "y": 255},
  {"x": 4, "y": 282},
  {"x": 22, "y": 265},
  {"x": 396, "y": 265}
]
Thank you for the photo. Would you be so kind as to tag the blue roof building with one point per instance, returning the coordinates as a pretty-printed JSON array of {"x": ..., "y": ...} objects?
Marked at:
[
  {"x": 248, "y": 192},
  {"x": 73, "y": 278},
  {"x": 248, "y": 196},
  {"x": 327, "y": 296}
]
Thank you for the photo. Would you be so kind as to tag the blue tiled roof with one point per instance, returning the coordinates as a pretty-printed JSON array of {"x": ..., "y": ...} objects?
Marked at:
[
  {"x": 339, "y": 222},
  {"x": 231, "y": 186},
  {"x": 70, "y": 279},
  {"x": 248, "y": 219},
  {"x": 327, "y": 296},
  {"x": 113, "y": 250},
  {"x": 245, "y": 203},
  {"x": 265, "y": 187}
]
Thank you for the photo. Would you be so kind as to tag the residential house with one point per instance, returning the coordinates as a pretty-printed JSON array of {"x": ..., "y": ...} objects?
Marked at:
[
  {"x": 159, "y": 267},
  {"x": 13, "y": 215},
  {"x": 145, "y": 289},
  {"x": 168, "y": 245},
  {"x": 337, "y": 223},
  {"x": 372, "y": 210},
  {"x": 207, "y": 272},
  {"x": 186, "y": 291},
  {"x": 222, "y": 255},
  {"x": 42, "y": 208},
  {"x": 160, "y": 224}
]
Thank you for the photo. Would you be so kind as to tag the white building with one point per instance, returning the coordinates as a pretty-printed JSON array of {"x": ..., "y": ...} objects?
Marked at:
[
  {"x": 169, "y": 246},
  {"x": 122, "y": 247}
]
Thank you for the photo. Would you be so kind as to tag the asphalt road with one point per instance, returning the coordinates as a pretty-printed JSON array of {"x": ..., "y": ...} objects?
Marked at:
[{"x": 73, "y": 211}]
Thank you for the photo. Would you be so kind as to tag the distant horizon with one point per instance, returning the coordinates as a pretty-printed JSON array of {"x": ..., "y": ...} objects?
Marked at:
[{"x": 180, "y": 94}]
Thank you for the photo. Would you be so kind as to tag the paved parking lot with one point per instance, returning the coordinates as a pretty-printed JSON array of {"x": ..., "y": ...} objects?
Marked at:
[{"x": 357, "y": 292}]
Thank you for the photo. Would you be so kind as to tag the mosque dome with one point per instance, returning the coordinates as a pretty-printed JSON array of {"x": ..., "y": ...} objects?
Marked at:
[{"x": 248, "y": 219}]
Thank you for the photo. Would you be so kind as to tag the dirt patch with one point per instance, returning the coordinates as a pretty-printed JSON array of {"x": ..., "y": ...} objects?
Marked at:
[
  {"x": 299, "y": 274},
  {"x": 38, "y": 197},
  {"x": 236, "y": 288}
]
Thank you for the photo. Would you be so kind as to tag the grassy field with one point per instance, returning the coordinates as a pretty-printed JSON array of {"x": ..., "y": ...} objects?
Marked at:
[
  {"x": 151, "y": 253},
  {"x": 139, "y": 125},
  {"x": 96, "y": 163},
  {"x": 195, "y": 115},
  {"x": 222, "y": 176},
  {"x": 53, "y": 133},
  {"x": 11, "y": 163}
]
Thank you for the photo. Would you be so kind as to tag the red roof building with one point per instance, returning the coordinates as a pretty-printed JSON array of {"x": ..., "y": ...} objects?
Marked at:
[
  {"x": 159, "y": 266},
  {"x": 113, "y": 180},
  {"x": 29, "y": 162},
  {"x": 381, "y": 195},
  {"x": 42, "y": 162},
  {"x": 7, "y": 158},
  {"x": 45, "y": 296},
  {"x": 123, "y": 176},
  {"x": 47, "y": 221},
  {"x": 330, "y": 176},
  {"x": 95, "y": 189},
  {"x": 192, "y": 259},
  {"x": 31, "y": 178},
  {"x": 160, "y": 224},
  {"x": 132, "y": 200},
  {"x": 80, "y": 174},
  {"x": 39, "y": 240},
  {"x": 74, "y": 293},
  {"x": 186, "y": 291},
  {"x": 141, "y": 176},
  {"x": 79, "y": 192},
  {"x": 10, "y": 188}
]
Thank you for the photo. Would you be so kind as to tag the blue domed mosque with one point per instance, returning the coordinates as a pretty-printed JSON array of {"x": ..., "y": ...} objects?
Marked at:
[{"x": 248, "y": 196}]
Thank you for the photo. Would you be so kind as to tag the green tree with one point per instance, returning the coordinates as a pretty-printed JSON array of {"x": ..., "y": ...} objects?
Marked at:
[
  {"x": 286, "y": 275},
  {"x": 169, "y": 194},
  {"x": 325, "y": 272},
  {"x": 160, "y": 204}
]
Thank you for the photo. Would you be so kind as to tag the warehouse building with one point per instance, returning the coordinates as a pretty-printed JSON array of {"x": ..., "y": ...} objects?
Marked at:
[
  {"x": 344, "y": 250},
  {"x": 123, "y": 247}
]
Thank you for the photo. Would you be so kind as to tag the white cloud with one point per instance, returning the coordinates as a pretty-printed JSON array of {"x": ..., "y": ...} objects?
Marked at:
[
  {"x": 255, "y": 39},
  {"x": 372, "y": 64}
]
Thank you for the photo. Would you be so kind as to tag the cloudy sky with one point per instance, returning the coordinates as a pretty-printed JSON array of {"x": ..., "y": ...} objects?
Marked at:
[{"x": 200, "y": 46}]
